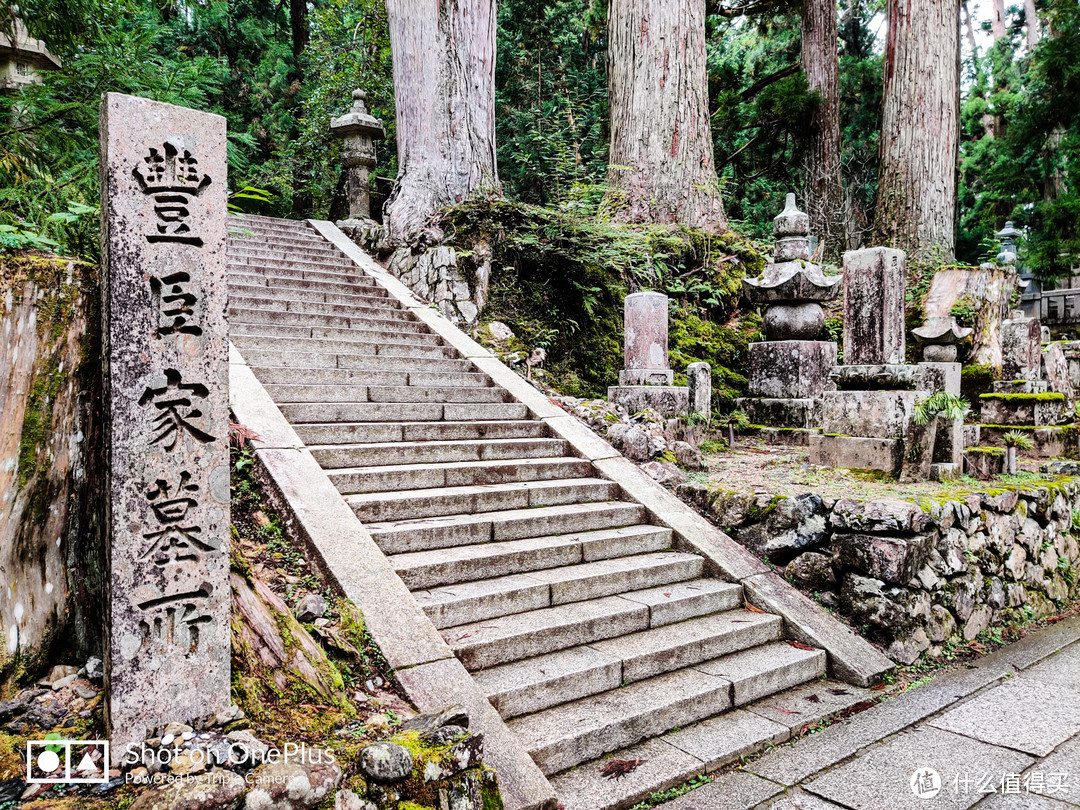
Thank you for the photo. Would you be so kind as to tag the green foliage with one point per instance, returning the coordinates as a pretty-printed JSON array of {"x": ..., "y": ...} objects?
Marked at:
[
  {"x": 1014, "y": 438},
  {"x": 939, "y": 403},
  {"x": 965, "y": 311}
]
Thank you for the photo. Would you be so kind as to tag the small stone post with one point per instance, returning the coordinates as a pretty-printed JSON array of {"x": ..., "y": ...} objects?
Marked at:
[
  {"x": 874, "y": 286},
  {"x": 164, "y": 220},
  {"x": 360, "y": 130},
  {"x": 699, "y": 381},
  {"x": 645, "y": 345}
]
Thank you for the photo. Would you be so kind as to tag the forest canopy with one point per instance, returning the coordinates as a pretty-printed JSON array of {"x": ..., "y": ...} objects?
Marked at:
[{"x": 278, "y": 70}]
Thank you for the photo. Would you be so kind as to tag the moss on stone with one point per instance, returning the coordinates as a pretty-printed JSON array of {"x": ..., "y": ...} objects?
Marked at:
[
  {"x": 997, "y": 452},
  {"x": 1020, "y": 399}
]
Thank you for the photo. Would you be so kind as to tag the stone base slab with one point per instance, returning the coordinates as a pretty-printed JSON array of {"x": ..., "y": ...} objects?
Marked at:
[
  {"x": 946, "y": 472},
  {"x": 940, "y": 376},
  {"x": 782, "y": 413},
  {"x": 791, "y": 369},
  {"x": 984, "y": 462},
  {"x": 857, "y": 453},
  {"x": 667, "y": 400},
  {"x": 1019, "y": 387},
  {"x": 1023, "y": 410},
  {"x": 873, "y": 414},
  {"x": 788, "y": 437},
  {"x": 646, "y": 376},
  {"x": 1050, "y": 442}
]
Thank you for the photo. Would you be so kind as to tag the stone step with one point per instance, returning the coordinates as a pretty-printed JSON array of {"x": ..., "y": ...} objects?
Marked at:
[
  {"x": 465, "y": 602},
  {"x": 763, "y": 670},
  {"x": 284, "y": 394},
  {"x": 398, "y": 537},
  {"x": 360, "y": 300},
  {"x": 332, "y": 337},
  {"x": 375, "y": 317},
  {"x": 566, "y": 735},
  {"x": 408, "y": 346},
  {"x": 393, "y": 477},
  {"x": 534, "y": 684},
  {"x": 273, "y": 240},
  {"x": 445, "y": 360},
  {"x": 305, "y": 271},
  {"x": 290, "y": 252},
  {"x": 370, "y": 432},
  {"x": 354, "y": 327},
  {"x": 275, "y": 283},
  {"x": 668, "y": 760},
  {"x": 294, "y": 266},
  {"x": 430, "y": 569},
  {"x": 402, "y": 394},
  {"x": 435, "y": 452},
  {"x": 403, "y": 411},
  {"x": 420, "y": 503},
  {"x": 283, "y": 375}
]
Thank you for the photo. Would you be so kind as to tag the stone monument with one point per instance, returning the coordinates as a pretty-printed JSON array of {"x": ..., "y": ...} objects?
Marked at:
[
  {"x": 866, "y": 421},
  {"x": 164, "y": 219},
  {"x": 789, "y": 371},
  {"x": 360, "y": 130},
  {"x": 646, "y": 378}
]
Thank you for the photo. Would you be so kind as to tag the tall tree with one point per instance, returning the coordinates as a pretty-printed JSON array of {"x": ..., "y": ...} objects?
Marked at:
[
  {"x": 920, "y": 129},
  {"x": 1031, "y": 21},
  {"x": 444, "y": 90},
  {"x": 820, "y": 61},
  {"x": 661, "y": 157},
  {"x": 298, "y": 25},
  {"x": 998, "y": 19}
]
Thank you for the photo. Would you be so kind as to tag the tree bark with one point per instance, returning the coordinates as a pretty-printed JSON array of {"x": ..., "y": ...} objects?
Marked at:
[
  {"x": 299, "y": 24},
  {"x": 444, "y": 88},
  {"x": 916, "y": 207},
  {"x": 998, "y": 27},
  {"x": 1031, "y": 20},
  {"x": 661, "y": 159},
  {"x": 824, "y": 185}
]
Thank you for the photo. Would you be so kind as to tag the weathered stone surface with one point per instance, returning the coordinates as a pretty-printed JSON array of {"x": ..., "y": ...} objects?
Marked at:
[
  {"x": 699, "y": 385},
  {"x": 293, "y": 784},
  {"x": 781, "y": 413},
  {"x": 667, "y": 400},
  {"x": 385, "y": 762},
  {"x": 454, "y": 715},
  {"x": 1022, "y": 409},
  {"x": 878, "y": 377},
  {"x": 1021, "y": 349},
  {"x": 857, "y": 453},
  {"x": 1056, "y": 367},
  {"x": 664, "y": 472},
  {"x": 871, "y": 414},
  {"x": 890, "y": 559},
  {"x": 164, "y": 183},
  {"x": 882, "y": 515},
  {"x": 645, "y": 340},
  {"x": 311, "y": 607},
  {"x": 811, "y": 569},
  {"x": 795, "y": 321},
  {"x": 934, "y": 376},
  {"x": 221, "y": 790},
  {"x": 874, "y": 306},
  {"x": 984, "y": 462},
  {"x": 793, "y": 524},
  {"x": 791, "y": 369}
]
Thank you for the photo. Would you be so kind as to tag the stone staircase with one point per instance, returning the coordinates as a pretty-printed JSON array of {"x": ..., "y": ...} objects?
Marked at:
[{"x": 578, "y": 619}]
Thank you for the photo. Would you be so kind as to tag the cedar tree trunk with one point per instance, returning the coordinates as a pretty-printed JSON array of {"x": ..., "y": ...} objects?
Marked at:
[
  {"x": 824, "y": 186},
  {"x": 661, "y": 160},
  {"x": 444, "y": 88},
  {"x": 916, "y": 209}
]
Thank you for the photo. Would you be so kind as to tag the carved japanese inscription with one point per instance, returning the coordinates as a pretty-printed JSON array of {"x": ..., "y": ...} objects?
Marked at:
[{"x": 164, "y": 220}]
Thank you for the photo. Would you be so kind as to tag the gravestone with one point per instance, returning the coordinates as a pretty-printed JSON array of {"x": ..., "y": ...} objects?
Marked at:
[
  {"x": 164, "y": 221},
  {"x": 699, "y": 383},
  {"x": 646, "y": 380},
  {"x": 874, "y": 307},
  {"x": 1021, "y": 349}
]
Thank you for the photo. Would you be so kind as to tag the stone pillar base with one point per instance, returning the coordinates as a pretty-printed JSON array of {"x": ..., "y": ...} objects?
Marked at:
[
  {"x": 630, "y": 377},
  {"x": 788, "y": 437},
  {"x": 857, "y": 453},
  {"x": 667, "y": 400},
  {"x": 781, "y": 413},
  {"x": 1028, "y": 410},
  {"x": 791, "y": 369},
  {"x": 934, "y": 376}
]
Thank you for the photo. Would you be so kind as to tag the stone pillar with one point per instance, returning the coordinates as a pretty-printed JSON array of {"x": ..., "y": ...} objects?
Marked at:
[
  {"x": 874, "y": 307},
  {"x": 645, "y": 345},
  {"x": 1021, "y": 349},
  {"x": 164, "y": 220},
  {"x": 699, "y": 381},
  {"x": 360, "y": 130}
]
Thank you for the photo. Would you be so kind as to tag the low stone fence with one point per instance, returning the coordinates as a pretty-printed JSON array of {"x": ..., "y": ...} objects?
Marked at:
[{"x": 915, "y": 576}]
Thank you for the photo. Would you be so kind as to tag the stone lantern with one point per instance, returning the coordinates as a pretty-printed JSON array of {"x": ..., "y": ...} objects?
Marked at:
[
  {"x": 1008, "y": 236},
  {"x": 360, "y": 130}
]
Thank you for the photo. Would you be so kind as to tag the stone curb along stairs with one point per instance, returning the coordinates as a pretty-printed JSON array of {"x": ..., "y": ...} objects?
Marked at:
[{"x": 504, "y": 556}]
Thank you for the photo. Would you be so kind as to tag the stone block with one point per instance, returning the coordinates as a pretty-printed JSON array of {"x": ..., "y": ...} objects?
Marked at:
[
  {"x": 857, "y": 453},
  {"x": 874, "y": 306},
  {"x": 1050, "y": 442},
  {"x": 782, "y": 413},
  {"x": 699, "y": 385},
  {"x": 1056, "y": 367},
  {"x": 890, "y": 559},
  {"x": 1019, "y": 387},
  {"x": 949, "y": 442},
  {"x": 645, "y": 340},
  {"x": 940, "y": 376},
  {"x": 1021, "y": 349},
  {"x": 971, "y": 435},
  {"x": 1033, "y": 410},
  {"x": 878, "y": 377},
  {"x": 667, "y": 400},
  {"x": 882, "y": 515},
  {"x": 790, "y": 437},
  {"x": 791, "y": 369},
  {"x": 164, "y": 211},
  {"x": 872, "y": 414},
  {"x": 984, "y": 462},
  {"x": 946, "y": 472}
]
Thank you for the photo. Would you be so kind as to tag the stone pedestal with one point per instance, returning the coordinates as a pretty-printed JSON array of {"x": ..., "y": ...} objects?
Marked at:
[
  {"x": 164, "y": 214},
  {"x": 874, "y": 306},
  {"x": 667, "y": 400},
  {"x": 1030, "y": 410},
  {"x": 940, "y": 376},
  {"x": 645, "y": 340},
  {"x": 791, "y": 369},
  {"x": 803, "y": 414}
]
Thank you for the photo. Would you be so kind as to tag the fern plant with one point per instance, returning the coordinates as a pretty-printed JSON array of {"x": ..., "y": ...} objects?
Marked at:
[
  {"x": 940, "y": 403},
  {"x": 1015, "y": 440}
]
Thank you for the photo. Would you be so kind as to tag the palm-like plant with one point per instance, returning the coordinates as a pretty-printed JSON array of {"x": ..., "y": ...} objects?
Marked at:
[{"x": 1015, "y": 440}]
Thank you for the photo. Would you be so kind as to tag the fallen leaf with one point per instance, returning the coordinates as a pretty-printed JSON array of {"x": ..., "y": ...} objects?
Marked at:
[
  {"x": 879, "y": 686},
  {"x": 618, "y": 768},
  {"x": 753, "y": 609},
  {"x": 798, "y": 645},
  {"x": 813, "y": 698},
  {"x": 835, "y": 691}
]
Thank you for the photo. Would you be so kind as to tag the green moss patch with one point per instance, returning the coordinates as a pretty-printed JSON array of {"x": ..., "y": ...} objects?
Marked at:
[{"x": 1020, "y": 399}]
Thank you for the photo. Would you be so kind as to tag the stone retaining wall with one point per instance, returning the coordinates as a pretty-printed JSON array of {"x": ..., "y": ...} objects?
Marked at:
[{"x": 915, "y": 576}]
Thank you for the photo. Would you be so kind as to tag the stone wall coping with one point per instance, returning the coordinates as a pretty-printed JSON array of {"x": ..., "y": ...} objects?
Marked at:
[
  {"x": 849, "y": 655},
  {"x": 344, "y": 550}
]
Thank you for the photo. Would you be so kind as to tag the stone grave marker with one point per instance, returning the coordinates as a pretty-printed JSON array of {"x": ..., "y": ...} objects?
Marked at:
[
  {"x": 874, "y": 307},
  {"x": 164, "y": 221},
  {"x": 645, "y": 346}
]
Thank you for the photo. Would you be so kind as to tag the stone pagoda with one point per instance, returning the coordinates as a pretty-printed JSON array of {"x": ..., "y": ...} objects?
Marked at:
[{"x": 789, "y": 371}]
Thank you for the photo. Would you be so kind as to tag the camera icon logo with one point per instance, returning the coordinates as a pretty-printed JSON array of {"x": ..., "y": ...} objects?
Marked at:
[{"x": 54, "y": 762}]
